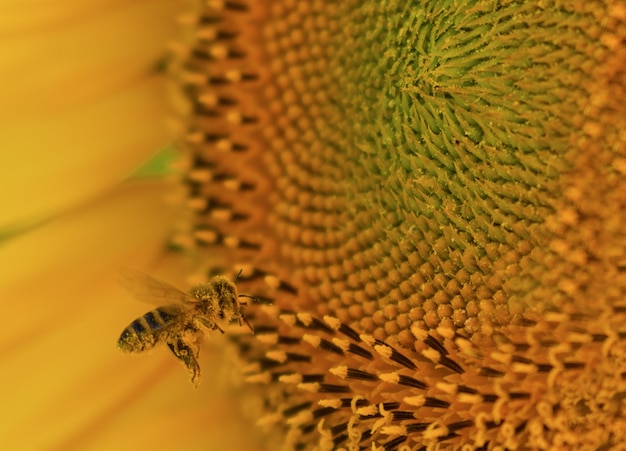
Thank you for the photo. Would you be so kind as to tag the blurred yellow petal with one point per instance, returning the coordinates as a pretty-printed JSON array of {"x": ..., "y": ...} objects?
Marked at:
[
  {"x": 58, "y": 343},
  {"x": 82, "y": 103}
]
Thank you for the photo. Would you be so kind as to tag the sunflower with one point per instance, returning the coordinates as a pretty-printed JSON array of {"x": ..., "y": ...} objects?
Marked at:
[{"x": 432, "y": 194}]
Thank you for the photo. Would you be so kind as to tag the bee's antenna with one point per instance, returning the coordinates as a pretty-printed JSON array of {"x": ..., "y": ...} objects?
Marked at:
[
  {"x": 243, "y": 317},
  {"x": 258, "y": 299},
  {"x": 238, "y": 275}
]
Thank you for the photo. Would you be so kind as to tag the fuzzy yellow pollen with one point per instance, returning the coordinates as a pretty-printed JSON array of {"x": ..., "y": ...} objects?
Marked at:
[
  {"x": 272, "y": 281},
  {"x": 205, "y": 236},
  {"x": 200, "y": 175},
  {"x": 354, "y": 401},
  {"x": 291, "y": 378},
  {"x": 392, "y": 378},
  {"x": 506, "y": 348},
  {"x": 194, "y": 138},
  {"x": 216, "y": 5},
  {"x": 279, "y": 356},
  {"x": 367, "y": 339},
  {"x": 288, "y": 319},
  {"x": 269, "y": 420},
  {"x": 221, "y": 214},
  {"x": 313, "y": 340},
  {"x": 448, "y": 388},
  {"x": 431, "y": 354},
  {"x": 197, "y": 203},
  {"x": 340, "y": 371},
  {"x": 219, "y": 52},
  {"x": 233, "y": 76},
  {"x": 524, "y": 368},
  {"x": 575, "y": 337},
  {"x": 416, "y": 401},
  {"x": 263, "y": 378},
  {"x": 334, "y": 323},
  {"x": 301, "y": 418},
  {"x": 367, "y": 411},
  {"x": 234, "y": 117},
  {"x": 269, "y": 310},
  {"x": 501, "y": 357},
  {"x": 334, "y": 403},
  {"x": 305, "y": 318},
  {"x": 312, "y": 387},
  {"x": 469, "y": 398},
  {"x": 253, "y": 367},
  {"x": 383, "y": 351},
  {"x": 344, "y": 345},
  {"x": 209, "y": 100},
  {"x": 193, "y": 78},
  {"x": 418, "y": 332},
  {"x": 466, "y": 347},
  {"x": 224, "y": 145},
  {"x": 445, "y": 332},
  {"x": 206, "y": 33},
  {"x": 556, "y": 317},
  {"x": 393, "y": 430},
  {"x": 232, "y": 242},
  {"x": 434, "y": 431}
]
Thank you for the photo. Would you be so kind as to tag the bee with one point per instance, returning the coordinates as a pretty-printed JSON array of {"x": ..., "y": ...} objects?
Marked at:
[{"x": 182, "y": 318}]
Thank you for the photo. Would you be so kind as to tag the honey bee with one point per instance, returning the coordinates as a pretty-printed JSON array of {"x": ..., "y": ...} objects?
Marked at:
[{"x": 182, "y": 318}]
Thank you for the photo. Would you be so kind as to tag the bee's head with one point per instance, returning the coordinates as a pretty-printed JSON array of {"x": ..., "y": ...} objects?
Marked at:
[{"x": 218, "y": 299}]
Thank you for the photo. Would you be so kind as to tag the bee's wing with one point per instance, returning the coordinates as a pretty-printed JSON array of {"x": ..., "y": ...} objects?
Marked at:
[{"x": 147, "y": 289}]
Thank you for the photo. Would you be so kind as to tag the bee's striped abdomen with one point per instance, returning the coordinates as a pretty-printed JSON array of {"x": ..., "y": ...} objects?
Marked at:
[{"x": 146, "y": 331}]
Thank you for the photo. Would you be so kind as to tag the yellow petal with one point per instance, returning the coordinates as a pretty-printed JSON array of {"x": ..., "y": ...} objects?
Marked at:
[
  {"x": 61, "y": 332},
  {"x": 82, "y": 104}
]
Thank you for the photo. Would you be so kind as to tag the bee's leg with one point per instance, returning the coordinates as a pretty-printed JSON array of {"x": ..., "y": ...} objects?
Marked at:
[
  {"x": 208, "y": 324},
  {"x": 245, "y": 320},
  {"x": 188, "y": 355}
]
